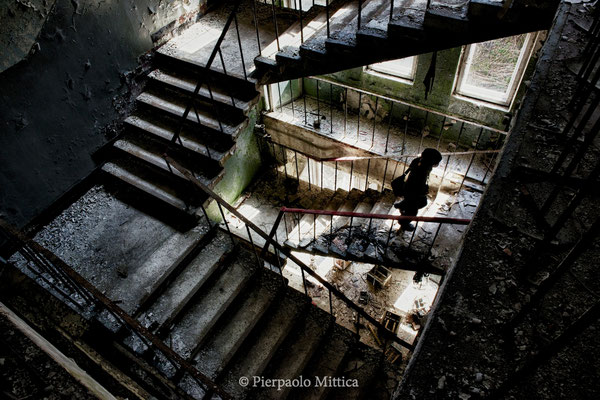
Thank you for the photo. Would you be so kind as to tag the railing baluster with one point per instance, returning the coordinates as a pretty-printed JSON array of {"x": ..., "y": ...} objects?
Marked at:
[
  {"x": 330, "y": 304},
  {"x": 358, "y": 117},
  {"x": 335, "y": 177},
  {"x": 297, "y": 170},
  {"x": 327, "y": 15},
  {"x": 322, "y": 176},
  {"x": 441, "y": 133},
  {"x": 237, "y": 30},
  {"x": 256, "y": 27},
  {"x": 374, "y": 122},
  {"x": 359, "y": 14},
  {"x": 387, "y": 160},
  {"x": 275, "y": 24},
  {"x": 301, "y": 24},
  {"x": 318, "y": 104},
  {"x": 367, "y": 178},
  {"x": 423, "y": 131},
  {"x": 292, "y": 98},
  {"x": 284, "y": 160},
  {"x": 405, "y": 130},
  {"x": 391, "y": 10},
  {"x": 331, "y": 107},
  {"x": 345, "y": 111},
  {"x": 304, "y": 98},
  {"x": 280, "y": 99},
  {"x": 387, "y": 138},
  {"x": 308, "y": 170},
  {"x": 351, "y": 170},
  {"x": 253, "y": 247},
  {"x": 226, "y": 224}
]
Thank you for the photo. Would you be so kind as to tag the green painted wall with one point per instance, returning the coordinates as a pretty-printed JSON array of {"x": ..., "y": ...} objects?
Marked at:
[
  {"x": 440, "y": 99},
  {"x": 240, "y": 168}
]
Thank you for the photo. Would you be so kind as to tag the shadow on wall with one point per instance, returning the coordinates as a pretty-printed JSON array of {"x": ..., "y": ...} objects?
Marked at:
[{"x": 55, "y": 103}]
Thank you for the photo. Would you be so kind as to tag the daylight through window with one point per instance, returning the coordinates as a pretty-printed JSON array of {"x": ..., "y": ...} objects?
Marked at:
[
  {"x": 402, "y": 68},
  {"x": 491, "y": 71}
]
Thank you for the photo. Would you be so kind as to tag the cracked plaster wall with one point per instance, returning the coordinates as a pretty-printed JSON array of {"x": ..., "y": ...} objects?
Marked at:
[{"x": 56, "y": 99}]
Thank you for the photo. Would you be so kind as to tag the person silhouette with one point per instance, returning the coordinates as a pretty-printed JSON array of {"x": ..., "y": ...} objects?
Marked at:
[{"x": 415, "y": 186}]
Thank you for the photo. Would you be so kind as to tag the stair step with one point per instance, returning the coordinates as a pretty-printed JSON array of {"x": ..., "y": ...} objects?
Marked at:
[
  {"x": 156, "y": 268},
  {"x": 303, "y": 232},
  {"x": 151, "y": 152},
  {"x": 165, "y": 132},
  {"x": 189, "y": 282},
  {"x": 445, "y": 18},
  {"x": 146, "y": 181},
  {"x": 355, "y": 246},
  {"x": 200, "y": 318},
  {"x": 345, "y": 39},
  {"x": 292, "y": 37},
  {"x": 323, "y": 222},
  {"x": 362, "y": 364},
  {"x": 326, "y": 363},
  {"x": 169, "y": 61},
  {"x": 264, "y": 343},
  {"x": 176, "y": 107},
  {"x": 339, "y": 222},
  {"x": 213, "y": 357},
  {"x": 315, "y": 47},
  {"x": 297, "y": 352},
  {"x": 187, "y": 83}
]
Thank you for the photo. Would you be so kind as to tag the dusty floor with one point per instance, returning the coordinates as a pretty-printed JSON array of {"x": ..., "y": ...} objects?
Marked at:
[
  {"x": 466, "y": 352},
  {"x": 261, "y": 204},
  {"x": 400, "y": 142}
]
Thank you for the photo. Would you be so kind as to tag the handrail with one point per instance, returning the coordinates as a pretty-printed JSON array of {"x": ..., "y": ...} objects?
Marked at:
[
  {"x": 216, "y": 49},
  {"x": 81, "y": 283},
  {"x": 441, "y": 220},
  {"x": 270, "y": 241},
  {"x": 394, "y": 100}
]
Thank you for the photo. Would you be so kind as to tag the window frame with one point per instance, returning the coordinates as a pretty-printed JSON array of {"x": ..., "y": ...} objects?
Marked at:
[
  {"x": 488, "y": 96},
  {"x": 390, "y": 75}
]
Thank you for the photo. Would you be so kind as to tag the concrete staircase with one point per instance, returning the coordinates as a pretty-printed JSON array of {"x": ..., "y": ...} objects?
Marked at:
[
  {"x": 231, "y": 318},
  {"x": 360, "y": 239},
  {"x": 207, "y": 138},
  {"x": 413, "y": 28}
]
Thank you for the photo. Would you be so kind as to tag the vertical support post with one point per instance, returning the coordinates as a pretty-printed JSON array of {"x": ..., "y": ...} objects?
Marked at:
[
  {"x": 275, "y": 24},
  {"x": 237, "y": 30},
  {"x": 308, "y": 170},
  {"x": 304, "y": 98},
  {"x": 358, "y": 115},
  {"x": 331, "y": 107},
  {"x": 367, "y": 178},
  {"x": 351, "y": 170},
  {"x": 387, "y": 138},
  {"x": 374, "y": 122},
  {"x": 256, "y": 27}
]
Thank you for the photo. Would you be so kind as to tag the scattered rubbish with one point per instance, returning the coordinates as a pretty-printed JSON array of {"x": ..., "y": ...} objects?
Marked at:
[{"x": 363, "y": 298}]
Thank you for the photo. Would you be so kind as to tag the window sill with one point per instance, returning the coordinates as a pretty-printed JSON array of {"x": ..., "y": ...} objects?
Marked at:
[
  {"x": 482, "y": 103},
  {"x": 390, "y": 77}
]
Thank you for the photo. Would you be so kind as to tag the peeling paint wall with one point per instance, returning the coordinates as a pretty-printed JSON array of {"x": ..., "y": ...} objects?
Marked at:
[
  {"x": 55, "y": 102},
  {"x": 239, "y": 168},
  {"x": 440, "y": 98}
]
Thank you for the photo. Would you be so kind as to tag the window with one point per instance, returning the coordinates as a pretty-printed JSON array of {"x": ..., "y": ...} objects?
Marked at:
[
  {"x": 403, "y": 68},
  {"x": 491, "y": 71}
]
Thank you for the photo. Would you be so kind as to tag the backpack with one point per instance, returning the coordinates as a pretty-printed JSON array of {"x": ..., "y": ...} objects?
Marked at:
[{"x": 398, "y": 184}]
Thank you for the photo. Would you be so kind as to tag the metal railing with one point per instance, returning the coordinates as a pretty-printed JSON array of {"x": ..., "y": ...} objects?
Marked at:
[
  {"x": 204, "y": 79},
  {"x": 582, "y": 128},
  {"x": 54, "y": 273},
  {"x": 412, "y": 122},
  {"x": 280, "y": 249},
  {"x": 350, "y": 172},
  {"x": 365, "y": 216}
]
